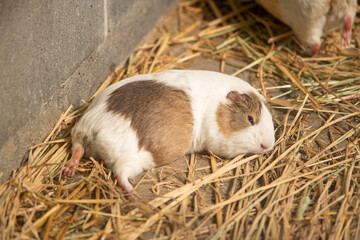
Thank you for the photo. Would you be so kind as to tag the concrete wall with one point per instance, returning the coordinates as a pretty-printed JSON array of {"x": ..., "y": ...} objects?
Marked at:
[{"x": 56, "y": 53}]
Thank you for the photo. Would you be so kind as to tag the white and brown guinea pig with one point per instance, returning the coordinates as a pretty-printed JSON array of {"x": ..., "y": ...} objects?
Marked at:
[
  {"x": 150, "y": 120},
  {"x": 309, "y": 18}
]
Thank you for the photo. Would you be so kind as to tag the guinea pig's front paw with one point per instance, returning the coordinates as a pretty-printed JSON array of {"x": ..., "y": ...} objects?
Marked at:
[
  {"x": 125, "y": 185},
  {"x": 346, "y": 33}
]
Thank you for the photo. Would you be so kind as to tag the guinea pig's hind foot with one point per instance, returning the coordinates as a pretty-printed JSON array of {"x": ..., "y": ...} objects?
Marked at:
[
  {"x": 125, "y": 185},
  {"x": 74, "y": 161}
]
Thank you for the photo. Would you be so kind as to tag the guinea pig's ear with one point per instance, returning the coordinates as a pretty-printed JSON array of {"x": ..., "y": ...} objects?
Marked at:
[{"x": 236, "y": 97}]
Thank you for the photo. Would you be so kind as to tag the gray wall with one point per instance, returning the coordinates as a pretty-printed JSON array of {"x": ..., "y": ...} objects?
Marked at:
[{"x": 56, "y": 53}]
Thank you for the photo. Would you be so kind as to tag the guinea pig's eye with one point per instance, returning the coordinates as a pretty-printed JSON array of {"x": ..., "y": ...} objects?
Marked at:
[{"x": 251, "y": 120}]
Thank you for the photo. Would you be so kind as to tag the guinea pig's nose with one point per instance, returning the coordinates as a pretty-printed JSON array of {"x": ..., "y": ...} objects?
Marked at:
[{"x": 263, "y": 146}]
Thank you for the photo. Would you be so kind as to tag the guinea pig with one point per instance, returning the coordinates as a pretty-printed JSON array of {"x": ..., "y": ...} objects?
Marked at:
[
  {"x": 150, "y": 120},
  {"x": 309, "y": 18}
]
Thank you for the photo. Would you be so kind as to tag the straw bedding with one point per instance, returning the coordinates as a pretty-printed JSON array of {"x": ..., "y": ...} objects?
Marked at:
[{"x": 306, "y": 188}]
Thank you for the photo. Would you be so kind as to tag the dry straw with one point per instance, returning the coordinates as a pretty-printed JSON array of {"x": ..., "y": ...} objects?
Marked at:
[{"x": 306, "y": 188}]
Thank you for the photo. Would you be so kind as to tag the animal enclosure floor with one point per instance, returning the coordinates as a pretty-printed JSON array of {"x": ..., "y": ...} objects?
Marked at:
[{"x": 306, "y": 188}]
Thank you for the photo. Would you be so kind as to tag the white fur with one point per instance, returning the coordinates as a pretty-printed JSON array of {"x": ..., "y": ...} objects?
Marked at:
[
  {"x": 302, "y": 17},
  {"x": 117, "y": 143},
  {"x": 309, "y": 18}
]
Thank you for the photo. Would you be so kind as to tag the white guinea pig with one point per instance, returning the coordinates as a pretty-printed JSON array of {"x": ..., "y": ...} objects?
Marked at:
[
  {"x": 309, "y": 18},
  {"x": 150, "y": 120}
]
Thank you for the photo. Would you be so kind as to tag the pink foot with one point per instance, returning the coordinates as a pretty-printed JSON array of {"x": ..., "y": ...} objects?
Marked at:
[
  {"x": 125, "y": 185},
  {"x": 74, "y": 162},
  {"x": 346, "y": 33}
]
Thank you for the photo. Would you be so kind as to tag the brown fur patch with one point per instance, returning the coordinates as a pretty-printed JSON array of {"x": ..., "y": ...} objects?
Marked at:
[
  {"x": 160, "y": 115},
  {"x": 233, "y": 117}
]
